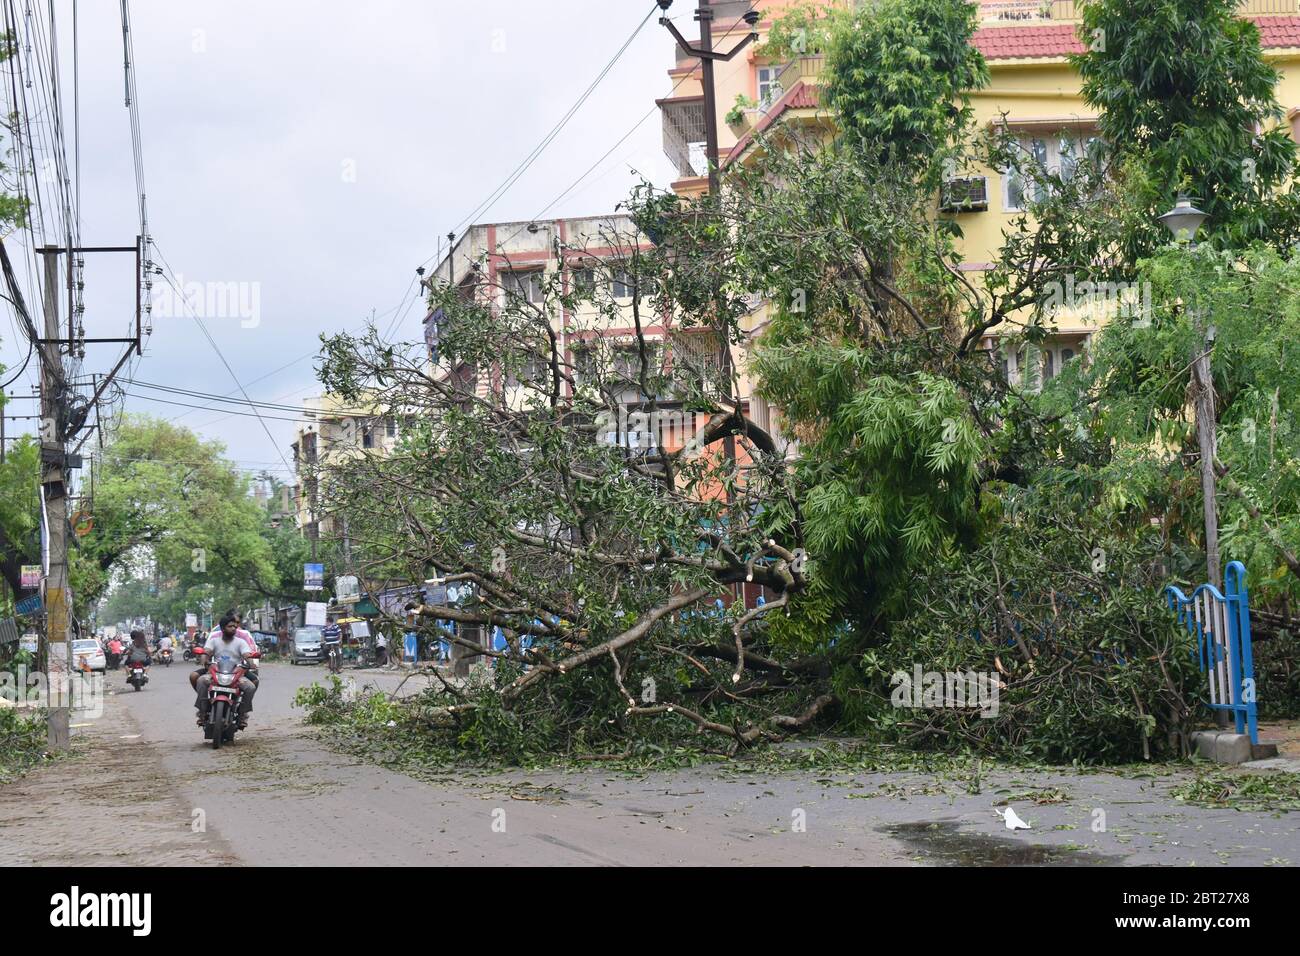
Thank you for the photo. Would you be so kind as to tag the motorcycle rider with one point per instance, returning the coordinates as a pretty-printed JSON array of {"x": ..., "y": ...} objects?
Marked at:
[
  {"x": 200, "y": 652},
  {"x": 138, "y": 652},
  {"x": 165, "y": 643},
  {"x": 227, "y": 642}
]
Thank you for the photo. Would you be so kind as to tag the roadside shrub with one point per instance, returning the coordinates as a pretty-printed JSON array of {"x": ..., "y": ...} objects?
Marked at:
[
  {"x": 22, "y": 741},
  {"x": 1070, "y": 622}
]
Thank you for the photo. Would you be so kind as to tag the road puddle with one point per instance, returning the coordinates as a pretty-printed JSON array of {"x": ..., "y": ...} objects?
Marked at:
[{"x": 944, "y": 843}]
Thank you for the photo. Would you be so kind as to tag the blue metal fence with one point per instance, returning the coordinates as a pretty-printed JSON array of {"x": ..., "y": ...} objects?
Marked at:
[{"x": 1220, "y": 622}]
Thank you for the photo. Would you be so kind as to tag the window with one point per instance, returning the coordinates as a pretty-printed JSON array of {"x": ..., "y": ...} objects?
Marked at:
[
  {"x": 769, "y": 89},
  {"x": 622, "y": 285},
  {"x": 625, "y": 281},
  {"x": 1058, "y": 155},
  {"x": 390, "y": 427},
  {"x": 584, "y": 280},
  {"x": 367, "y": 437},
  {"x": 534, "y": 368},
  {"x": 524, "y": 285},
  {"x": 1032, "y": 368}
]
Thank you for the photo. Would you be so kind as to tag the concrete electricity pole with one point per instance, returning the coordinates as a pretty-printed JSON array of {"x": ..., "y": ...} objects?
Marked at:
[{"x": 54, "y": 489}]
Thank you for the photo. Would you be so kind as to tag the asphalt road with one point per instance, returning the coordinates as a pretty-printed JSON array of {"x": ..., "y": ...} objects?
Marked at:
[{"x": 145, "y": 788}]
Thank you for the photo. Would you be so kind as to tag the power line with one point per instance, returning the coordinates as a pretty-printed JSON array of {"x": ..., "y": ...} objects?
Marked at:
[
  {"x": 495, "y": 196},
  {"x": 532, "y": 157},
  {"x": 274, "y": 406},
  {"x": 622, "y": 139},
  {"x": 171, "y": 280}
]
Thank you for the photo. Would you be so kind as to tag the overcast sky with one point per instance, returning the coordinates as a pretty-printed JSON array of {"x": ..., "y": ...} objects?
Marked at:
[{"x": 315, "y": 152}]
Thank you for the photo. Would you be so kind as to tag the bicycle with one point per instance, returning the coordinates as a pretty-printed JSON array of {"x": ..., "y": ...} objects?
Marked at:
[{"x": 335, "y": 658}]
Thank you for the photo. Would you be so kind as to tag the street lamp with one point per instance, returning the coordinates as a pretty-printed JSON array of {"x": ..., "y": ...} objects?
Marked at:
[{"x": 1183, "y": 222}]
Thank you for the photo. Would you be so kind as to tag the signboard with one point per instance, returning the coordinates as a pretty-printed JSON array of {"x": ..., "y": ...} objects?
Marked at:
[
  {"x": 347, "y": 590},
  {"x": 410, "y": 645},
  {"x": 313, "y": 577},
  {"x": 29, "y": 642},
  {"x": 191, "y": 620},
  {"x": 31, "y": 576},
  {"x": 394, "y": 600},
  {"x": 360, "y": 629},
  {"x": 314, "y": 614},
  {"x": 29, "y": 605}
]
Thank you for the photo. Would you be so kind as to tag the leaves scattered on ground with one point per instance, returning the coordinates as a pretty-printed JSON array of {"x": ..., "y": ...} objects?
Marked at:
[{"x": 1242, "y": 790}]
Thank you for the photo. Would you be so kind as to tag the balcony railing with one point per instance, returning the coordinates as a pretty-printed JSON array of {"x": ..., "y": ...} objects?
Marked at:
[
  {"x": 1011, "y": 12},
  {"x": 684, "y": 135},
  {"x": 800, "y": 68}
]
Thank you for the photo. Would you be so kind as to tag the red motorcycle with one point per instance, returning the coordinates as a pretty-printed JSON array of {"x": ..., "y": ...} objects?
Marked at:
[
  {"x": 224, "y": 697},
  {"x": 136, "y": 674}
]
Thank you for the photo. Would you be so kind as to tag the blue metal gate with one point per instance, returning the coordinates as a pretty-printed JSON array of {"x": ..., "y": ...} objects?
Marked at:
[{"x": 1221, "y": 625}]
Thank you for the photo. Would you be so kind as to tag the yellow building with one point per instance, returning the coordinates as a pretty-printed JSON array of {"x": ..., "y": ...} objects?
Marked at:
[
  {"x": 330, "y": 433},
  {"x": 1025, "y": 43}
]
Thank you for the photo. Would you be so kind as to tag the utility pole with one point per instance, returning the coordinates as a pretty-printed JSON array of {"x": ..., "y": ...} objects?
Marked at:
[
  {"x": 707, "y": 55},
  {"x": 58, "y": 643}
]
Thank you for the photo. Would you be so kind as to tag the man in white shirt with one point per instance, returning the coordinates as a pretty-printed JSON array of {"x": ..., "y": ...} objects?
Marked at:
[{"x": 227, "y": 642}]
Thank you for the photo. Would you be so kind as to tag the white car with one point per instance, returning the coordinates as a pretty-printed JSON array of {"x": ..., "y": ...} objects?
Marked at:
[{"x": 89, "y": 651}]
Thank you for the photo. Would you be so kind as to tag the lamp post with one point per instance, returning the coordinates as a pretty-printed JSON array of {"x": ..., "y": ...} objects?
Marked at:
[{"x": 1183, "y": 222}]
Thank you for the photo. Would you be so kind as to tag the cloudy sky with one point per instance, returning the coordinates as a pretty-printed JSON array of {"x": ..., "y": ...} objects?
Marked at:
[{"x": 315, "y": 152}]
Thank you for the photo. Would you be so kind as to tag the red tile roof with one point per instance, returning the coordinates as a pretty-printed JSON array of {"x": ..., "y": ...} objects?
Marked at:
[
  {"x": 1058, "y": 39},
  {"x": 801, "y": 96},
  {"x": 1278, "y": 31},
  {"x": 1004, "y": 43}
]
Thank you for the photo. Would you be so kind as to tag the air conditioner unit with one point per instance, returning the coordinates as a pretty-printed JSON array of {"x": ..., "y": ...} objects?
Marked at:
[{"x": 964, "y": 195}]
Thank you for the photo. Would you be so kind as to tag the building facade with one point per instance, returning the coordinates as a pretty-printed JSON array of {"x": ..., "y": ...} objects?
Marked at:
[{"x": 1033, "y": 91}]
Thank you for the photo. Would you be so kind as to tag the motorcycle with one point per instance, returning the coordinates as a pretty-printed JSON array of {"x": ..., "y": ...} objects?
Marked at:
[
  {"x": 137, "y": 677},
  {"x": 165, "y": 657},
  {"x": 224, "y": 698}
]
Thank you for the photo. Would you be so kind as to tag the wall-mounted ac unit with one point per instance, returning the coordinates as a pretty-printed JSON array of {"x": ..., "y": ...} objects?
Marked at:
[{"x": 964, "y": 195}]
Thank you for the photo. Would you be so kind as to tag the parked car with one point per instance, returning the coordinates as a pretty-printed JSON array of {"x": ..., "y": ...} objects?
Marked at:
[
  {"x": 307, "y": 646},
  {"x": 88, "y": 649}
]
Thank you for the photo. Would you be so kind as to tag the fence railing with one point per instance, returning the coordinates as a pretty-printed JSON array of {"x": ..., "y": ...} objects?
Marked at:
[{"x": 1220, "y": 622}]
